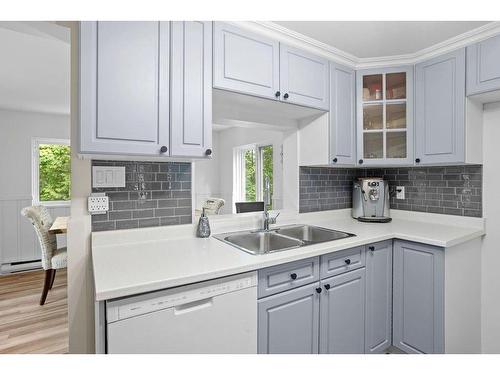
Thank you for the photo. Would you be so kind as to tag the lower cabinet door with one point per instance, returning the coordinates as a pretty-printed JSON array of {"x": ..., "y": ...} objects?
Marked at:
[
  {"x": 378, "y": 317},
  {"x": 288, "y": 322},
  {"x": 418, "y": 322},
  {"x": 342, "y": 313}
]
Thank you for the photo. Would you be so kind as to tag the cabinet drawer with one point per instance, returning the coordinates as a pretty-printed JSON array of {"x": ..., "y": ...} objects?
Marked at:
[
  {"x": 287, "y": 276},
  {"x": 342, "y": 261}
]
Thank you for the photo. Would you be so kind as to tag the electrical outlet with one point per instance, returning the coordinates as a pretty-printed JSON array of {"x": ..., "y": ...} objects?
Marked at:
[
  {"x": 98, "y": 203},
  {"x": 400, "y": 192}
]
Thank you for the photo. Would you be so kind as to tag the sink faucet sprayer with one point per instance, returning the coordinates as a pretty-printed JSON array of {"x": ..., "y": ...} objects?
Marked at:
[{"x": 267, "y": 201}]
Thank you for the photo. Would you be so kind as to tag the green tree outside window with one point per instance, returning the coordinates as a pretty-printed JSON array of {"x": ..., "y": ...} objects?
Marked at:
[
  {"x": 250, "y": 193},
  {"x": 54, "y": 172},
  {"x": 266, "y": 159},
  {"x": 267, "y": 170}
]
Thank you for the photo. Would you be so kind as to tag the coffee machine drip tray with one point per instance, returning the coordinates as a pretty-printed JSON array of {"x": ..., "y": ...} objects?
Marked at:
[{"x": 374, "y": 219}]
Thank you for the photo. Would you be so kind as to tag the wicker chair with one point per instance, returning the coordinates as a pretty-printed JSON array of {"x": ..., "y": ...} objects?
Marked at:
[
  {"x": 213, "y": 206},
  {"x": 52, "y": 257}
]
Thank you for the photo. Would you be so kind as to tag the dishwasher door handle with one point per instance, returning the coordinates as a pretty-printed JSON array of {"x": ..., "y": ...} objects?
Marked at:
[{"x": 193, "y": 306}]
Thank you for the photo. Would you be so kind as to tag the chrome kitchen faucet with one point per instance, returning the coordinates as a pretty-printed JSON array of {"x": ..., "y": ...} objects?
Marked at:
[{"x": 267, "y": 200}]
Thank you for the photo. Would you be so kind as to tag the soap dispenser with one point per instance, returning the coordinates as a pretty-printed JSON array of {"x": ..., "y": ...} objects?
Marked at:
[{"x": 203, "y": 226}]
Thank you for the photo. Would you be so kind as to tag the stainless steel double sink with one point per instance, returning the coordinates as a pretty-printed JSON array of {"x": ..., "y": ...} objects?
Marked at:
[{"x": 279, "y": 239}]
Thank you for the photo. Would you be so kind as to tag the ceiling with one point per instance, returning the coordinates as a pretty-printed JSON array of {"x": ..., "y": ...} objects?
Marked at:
[
  {"x": 35, "y": 72},
  {"x": 370, "y": 39}
]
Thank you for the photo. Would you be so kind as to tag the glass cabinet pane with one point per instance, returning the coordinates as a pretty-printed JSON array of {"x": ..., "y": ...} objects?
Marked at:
[
  {"x": 372, "y": 87},
  {"x": 373, "y": 117},
  {"x": 395, "y": 84},
  {"x": 396, "y": 116},
  {"x": 373, "y": 145},
  {"x": 396, "y": 144}
]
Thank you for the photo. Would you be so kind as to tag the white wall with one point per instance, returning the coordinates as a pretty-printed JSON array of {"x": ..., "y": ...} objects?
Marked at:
[
  {"x": 16, "y": 130},
  {"x": 80, "y": 282},
  {"x": 18, "y": 241},
  {"x": 206, "y": 176},
  {"x": 34, "y": 68},
  {"x": 490, "y": 250}
]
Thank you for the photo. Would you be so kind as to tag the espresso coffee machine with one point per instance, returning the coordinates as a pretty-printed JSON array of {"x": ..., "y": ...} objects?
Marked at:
[{"x": 370, "y": 200}]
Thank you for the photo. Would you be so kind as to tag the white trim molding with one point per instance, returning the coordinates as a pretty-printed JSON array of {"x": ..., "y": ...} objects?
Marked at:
[{"x": 275, "y": 31}]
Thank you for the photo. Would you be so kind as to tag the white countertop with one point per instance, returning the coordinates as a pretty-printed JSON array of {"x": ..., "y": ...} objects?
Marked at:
[{"x": 128, "y": 262}]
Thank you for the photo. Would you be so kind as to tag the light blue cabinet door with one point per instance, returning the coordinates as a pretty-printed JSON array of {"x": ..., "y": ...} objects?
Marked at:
[
  {"x": 483, "y": 66},
  {"x": 304, "y": 78},
  {"x": 288, "y": 322},
  {"x": 418, "y": 322},
  {"x": 378, "y": 315},
  {"x": 245, "y": 62},
  {"x": 191, "y": 89},
  {"x": 124, "y": 87},
  {"x": 440, "y": 109},
  {"x": 342, "y": 313},
  {"x": 342, "y": 115}
]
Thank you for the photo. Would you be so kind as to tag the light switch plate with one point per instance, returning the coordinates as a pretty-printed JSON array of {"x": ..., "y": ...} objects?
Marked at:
[
  {"x": 400, "y": 192},
  {"x": 106, "y": 177},
  {"x": 98, "y": 203}
]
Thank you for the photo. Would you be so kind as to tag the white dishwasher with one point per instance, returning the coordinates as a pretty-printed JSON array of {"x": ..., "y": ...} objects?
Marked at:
[{"x": 216, "y": 316}]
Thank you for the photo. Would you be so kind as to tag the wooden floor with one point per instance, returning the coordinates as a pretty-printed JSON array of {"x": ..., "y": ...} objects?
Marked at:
[{"x": 27, "y": 327}]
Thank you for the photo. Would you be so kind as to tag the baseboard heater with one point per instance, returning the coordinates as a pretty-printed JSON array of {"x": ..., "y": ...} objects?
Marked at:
[{"x": 14, "y": 267}]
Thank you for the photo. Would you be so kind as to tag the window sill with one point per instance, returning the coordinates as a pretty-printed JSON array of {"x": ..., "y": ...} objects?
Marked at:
[{"x": 54, "y": 204}]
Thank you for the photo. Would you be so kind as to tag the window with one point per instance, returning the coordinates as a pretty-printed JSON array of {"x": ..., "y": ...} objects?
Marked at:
[
  {"x": 252, "y": 165},
  {"x": 51, "y": 174}
]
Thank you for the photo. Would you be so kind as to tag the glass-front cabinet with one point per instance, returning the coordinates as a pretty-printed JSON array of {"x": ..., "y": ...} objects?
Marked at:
[{"x": 385, "y": 116}]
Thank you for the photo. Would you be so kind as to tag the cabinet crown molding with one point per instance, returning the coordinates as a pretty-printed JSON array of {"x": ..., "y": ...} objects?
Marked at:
[{"x": 273, "y": 30}]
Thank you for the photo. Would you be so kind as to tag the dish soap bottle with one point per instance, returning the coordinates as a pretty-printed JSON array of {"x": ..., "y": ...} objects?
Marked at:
[{"x": 203, "y": 226}]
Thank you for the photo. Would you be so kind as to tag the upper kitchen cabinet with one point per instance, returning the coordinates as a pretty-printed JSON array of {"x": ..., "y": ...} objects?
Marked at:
[
  {"x": 191, "y": 89},
  {"x": 440, "y": 109},
  {"x": 252, "y": 64},
  {"x": 385, "y": 116},
  {"x": 304, "y": 78},
  {"x": 483, "y": 66},
  {"x": 245, "y": 62},
  {"x": 146, "y": 88},
  {"x": 124, "y": 87},
  {"x": 333, "y": 134},
  {"x": 342, "y": 115}
]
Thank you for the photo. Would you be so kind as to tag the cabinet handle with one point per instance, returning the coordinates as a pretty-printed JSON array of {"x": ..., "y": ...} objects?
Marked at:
[
  {"x": 293, "y": 276},
  {"x": 208, "y": 152},
  {"x": 163, "y": 149},
  {"x": 286, "y": 96},
  {"x": 417, "y": 160},
  {"x": 371, "y": 248},
  {"x": 318, "y": 290},
  {"x": 347, "y": 261},
  {"x": 335, "y": 160},
  {"x": 278, "y": 94},
  {"x": 360, "y": 161},
  {"x": 327, "y": 286}
]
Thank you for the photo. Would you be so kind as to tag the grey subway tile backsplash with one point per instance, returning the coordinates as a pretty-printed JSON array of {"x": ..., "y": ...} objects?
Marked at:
[
  {"x": 451, "y": 190},
  {"x": 156, "y": 193}
]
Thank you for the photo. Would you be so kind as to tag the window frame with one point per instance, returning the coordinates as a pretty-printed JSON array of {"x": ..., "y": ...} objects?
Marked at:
[
  {"x": 239, "y": 191},
  {"x": 35, "y": 170}
]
